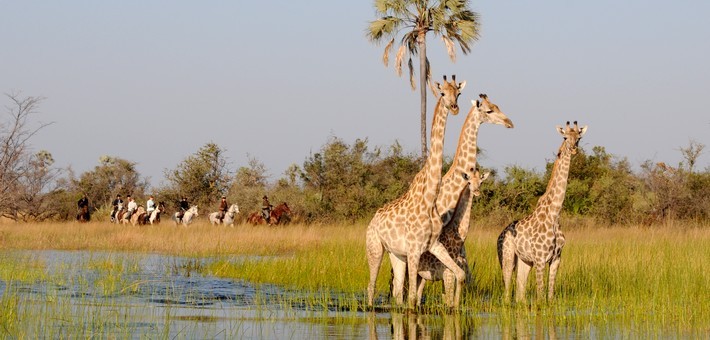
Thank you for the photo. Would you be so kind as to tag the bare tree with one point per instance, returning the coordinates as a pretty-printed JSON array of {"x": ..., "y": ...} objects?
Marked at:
[
  {"x": 692, "y": 153},
  {"x": 38, "y": 185},
  {"x": 15, "y": 134}
]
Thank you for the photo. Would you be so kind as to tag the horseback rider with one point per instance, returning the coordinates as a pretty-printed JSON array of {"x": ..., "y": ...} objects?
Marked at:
[
  {"x": 223, "y": 206},
  {"x": 83, "y": 205},
  {"x": 117, "y": 205},
  {"x": 132, "y": 206},
  {"x": 266, "y": 209},
  {"x": 182, "y": 208},
  {"x": 149, "y": 208}
]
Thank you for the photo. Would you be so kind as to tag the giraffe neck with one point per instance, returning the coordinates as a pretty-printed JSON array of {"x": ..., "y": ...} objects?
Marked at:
[
  {"x": 464, "y": 160},
  {"x": 555, "y": 194},
  {"x": 464, "y": 205},
  {"x": 436, "y": 154}
]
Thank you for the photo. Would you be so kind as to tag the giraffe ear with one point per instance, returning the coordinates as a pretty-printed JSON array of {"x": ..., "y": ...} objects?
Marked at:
[
  {"x": 582, "y": 131},
  {"x": 462, "y": 85},
  {"x": 485, "y": 175},
  {"x": 475, "y": 103},
  {"x": 560, "y": 129}
]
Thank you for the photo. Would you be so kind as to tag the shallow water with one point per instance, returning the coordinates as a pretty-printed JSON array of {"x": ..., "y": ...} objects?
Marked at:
[{"x": 128, "y": 295}]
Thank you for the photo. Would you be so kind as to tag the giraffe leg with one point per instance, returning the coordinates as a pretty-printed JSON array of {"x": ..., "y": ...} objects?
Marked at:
[
  {"x": 420, "y": 288},
  {"x": 463, "y": 260},
  {"x": 375, "y": 252},
  {"x": 523, "y": 271},
  {"x": 551, "y": 279},
  {"x": 507, "y": 262},
  {"x": 540, "y": 280},
  {"x": 399, "y": 267},
  {"x": 554, "y": 265},
  {"x": 413, "y": 264},
  {"x": 449, "y": 289},
  {"x": 438, "y": 250}
]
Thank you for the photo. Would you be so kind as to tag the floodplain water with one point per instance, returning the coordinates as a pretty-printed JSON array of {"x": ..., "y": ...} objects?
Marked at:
[{"x": 130, "y": 295}]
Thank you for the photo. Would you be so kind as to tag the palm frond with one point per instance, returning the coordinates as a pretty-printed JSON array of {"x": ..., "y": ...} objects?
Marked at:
[
  {"x": 393, "y": 7},
  {"x": 428, "y": 80},
  {"x": 398, "y": 59},
  {"x": 428, "y": 69},
  {"x": 411, "y": 74},
  {"x": 386, "y": 55},
  {"x": 410, "y": 40},
  {"x": 449, "y": 47},
  {"x": 385, "y": 26}
]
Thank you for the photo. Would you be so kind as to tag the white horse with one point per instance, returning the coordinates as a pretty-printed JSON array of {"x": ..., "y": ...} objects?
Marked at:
[
  {"x": 228, "y": 216},
  {"x": 155, "y": 214},
  {"x": 187, "y": 217}
]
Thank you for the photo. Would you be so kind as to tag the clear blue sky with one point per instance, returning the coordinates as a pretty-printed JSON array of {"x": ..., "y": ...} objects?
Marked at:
[{"x": 153, "y": 81}]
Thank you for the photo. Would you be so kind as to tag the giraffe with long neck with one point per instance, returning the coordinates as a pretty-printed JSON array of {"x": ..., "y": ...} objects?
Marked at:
[
  {"x": 454, "y": 203},
  {"x": 410, "y": 225},
  {"x": 536, "y": 240}
]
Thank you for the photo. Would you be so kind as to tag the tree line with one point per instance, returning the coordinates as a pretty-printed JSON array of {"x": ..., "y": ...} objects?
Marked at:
[{"x": 341, "y": 183}]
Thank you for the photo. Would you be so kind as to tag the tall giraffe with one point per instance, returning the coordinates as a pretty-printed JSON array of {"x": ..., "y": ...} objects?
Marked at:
[
  {"x": 537, "y": 240},
  {"x": 409, "y": 226},
  {"x": 455, "y": 203}
]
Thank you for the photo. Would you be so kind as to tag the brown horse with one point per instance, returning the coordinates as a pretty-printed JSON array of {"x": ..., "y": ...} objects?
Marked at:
[
  {"x": 138, "y": 216},
  {"x": 83, "y": 215},
  {"x": 281, "y": 214}
]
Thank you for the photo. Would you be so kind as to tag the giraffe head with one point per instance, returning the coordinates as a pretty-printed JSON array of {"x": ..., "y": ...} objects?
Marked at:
[
  {"x": 476, "y": 180},
  {"x": 449, "y": 93},
  {"x": 572, "y": 136},
  {"x": 489, "y": 112}
]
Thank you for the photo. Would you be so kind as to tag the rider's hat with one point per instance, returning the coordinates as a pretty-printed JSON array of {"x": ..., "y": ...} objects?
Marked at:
[
  {"x": 224, "y": 196},
  {"x": 264, "y": 196}
]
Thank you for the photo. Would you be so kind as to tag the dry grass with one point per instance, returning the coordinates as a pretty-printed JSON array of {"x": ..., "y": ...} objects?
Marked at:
[{"x": 199, "y": 239}]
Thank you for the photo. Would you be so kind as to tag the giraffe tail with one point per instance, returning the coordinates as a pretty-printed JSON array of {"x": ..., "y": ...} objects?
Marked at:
[{"x": 509, "y": 231}]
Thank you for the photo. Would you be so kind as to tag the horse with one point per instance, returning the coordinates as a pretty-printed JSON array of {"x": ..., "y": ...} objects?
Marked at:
[
  {"x": 138, "y": 216},
  {"x": 187, "y": 217},
  {"x": 228, "y": 216},
  {"x": 154, "y": 217},
  {"x": 83, "y": 215},
  {"x": 279, "y": 215},
  {"x": 119, "y": 215}
]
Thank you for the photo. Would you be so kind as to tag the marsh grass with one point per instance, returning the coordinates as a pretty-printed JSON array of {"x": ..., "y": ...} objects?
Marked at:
[{"x": 648, "y": 279}]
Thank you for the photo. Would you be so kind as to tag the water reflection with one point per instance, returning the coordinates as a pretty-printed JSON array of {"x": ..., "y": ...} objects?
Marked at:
[
  {"x": 519, "y": 324},
  {"x": 413, "y": 326}
]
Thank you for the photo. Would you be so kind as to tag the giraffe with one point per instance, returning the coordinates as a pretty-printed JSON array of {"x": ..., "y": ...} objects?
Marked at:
[
  {"x": 537, "y": 240},
  {"x": 455, "y": 203},
  {"x": 430, "y": 268},
  {"x": 409, "y": 226}
]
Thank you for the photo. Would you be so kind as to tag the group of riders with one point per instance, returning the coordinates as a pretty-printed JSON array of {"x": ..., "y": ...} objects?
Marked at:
[
  {"x": 183, "y": 206},
  {"x": 132, "y": 207}
]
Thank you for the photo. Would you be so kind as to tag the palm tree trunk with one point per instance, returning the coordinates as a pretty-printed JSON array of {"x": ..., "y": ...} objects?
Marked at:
[{"x": 421, "y": 40}]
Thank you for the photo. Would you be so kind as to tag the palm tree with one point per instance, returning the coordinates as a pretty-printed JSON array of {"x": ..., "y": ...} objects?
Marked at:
[{"x": 450, "y": 19}]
